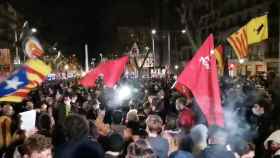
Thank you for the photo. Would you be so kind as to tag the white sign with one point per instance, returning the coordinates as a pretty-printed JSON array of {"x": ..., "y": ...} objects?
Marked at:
[{"x": 28, "y": 119}]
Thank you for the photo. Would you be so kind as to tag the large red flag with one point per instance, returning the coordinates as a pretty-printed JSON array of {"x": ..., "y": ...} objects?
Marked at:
[
  {"x": 200, "y": 76},
  {"x": 111, "y": 71}
]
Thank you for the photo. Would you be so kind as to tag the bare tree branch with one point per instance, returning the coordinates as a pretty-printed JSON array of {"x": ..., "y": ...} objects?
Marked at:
[{"x": 182, "y": 11}]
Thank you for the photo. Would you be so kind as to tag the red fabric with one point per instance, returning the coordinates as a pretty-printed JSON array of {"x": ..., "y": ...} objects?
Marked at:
[
  {"x": 200, "y": 76},
  {"x": 186, "y": 118},
  {"x": 111, "y": 70},
  {"x": 183, "y": 90}
]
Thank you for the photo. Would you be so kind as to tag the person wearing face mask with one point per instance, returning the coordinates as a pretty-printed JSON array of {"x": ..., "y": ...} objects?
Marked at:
[
  {"x": 262, "y": 120},
  {"x": 272, "y": 144}
]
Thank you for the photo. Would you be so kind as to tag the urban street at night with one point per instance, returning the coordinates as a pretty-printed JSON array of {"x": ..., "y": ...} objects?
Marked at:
[{"x": 140, "y": 79}]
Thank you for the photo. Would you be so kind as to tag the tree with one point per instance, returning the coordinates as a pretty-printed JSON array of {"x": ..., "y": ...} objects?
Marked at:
[{"x": 190, "y": 12}]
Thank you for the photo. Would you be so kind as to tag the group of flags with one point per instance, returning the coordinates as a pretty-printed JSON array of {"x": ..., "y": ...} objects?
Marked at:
[
  {"x": 28, "y": 76},
  {"x": 255, "y": 31},
  {"x": 200, "y": 75},
  {"x": 17, "y": 86}
]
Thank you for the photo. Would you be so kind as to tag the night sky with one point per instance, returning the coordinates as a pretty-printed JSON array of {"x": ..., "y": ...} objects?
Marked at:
[{"x": 73, "y": 23}]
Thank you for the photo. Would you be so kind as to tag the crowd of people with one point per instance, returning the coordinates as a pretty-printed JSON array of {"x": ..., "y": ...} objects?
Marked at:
[{"x": 153, "y": 122}]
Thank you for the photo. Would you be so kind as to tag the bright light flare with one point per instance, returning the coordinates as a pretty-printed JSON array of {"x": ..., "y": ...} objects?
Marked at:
[
  {"x": 241, "y": 61},
  {"x": 66, "y": 67},
  {"x": 34, "y": 30},
  {"x": 124, "y": 92}
]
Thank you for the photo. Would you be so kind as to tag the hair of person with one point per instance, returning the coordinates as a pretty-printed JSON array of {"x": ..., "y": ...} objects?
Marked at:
[
  {"x": 117, "y": 117},
  {"x": 8, "y": 110},
  {"x": 171, "y": 122},
  {"x": 217, "y": 135},
  {"x": 93, "y": 132},
  {"x": 199, "y": 134},
  {"x": 37, "y": 142},
  {"x": 132, "y": 115},
  {"x": 182, "y": 100},
  {"x": 44, "y": 122},
  {"x": 75, "y": 127},
  {"x": 140, "y": 148},
  {"x": 264, "y": 104},
  {"x": 154, "y": 123},
  {"x": 116, "y": 142}
]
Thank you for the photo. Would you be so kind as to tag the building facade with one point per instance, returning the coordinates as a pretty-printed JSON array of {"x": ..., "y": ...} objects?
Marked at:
[{"x": 230, "y": 17}]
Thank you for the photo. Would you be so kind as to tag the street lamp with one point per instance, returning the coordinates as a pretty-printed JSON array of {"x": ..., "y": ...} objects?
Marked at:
[
  {"x": 176, "y": 67},
  {"x": 241, "y": 61},
  {"x": 34, "y": 30},
  {"x": 66, "y": 67},
  {"x": 183, "y": 31},
  {"x": 101, "y": 56},
  {"x": 147, "y": 48},
  {"x": 154, "y": 31}
]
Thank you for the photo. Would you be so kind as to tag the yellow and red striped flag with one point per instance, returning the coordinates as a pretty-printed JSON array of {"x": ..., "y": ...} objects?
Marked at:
[
  {"x": 219, "y": 54},
  {"x": 239, "y": 42},
  {"x": 28, "y": 77}
]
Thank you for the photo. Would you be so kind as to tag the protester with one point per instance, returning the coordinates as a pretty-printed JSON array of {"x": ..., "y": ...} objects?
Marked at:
[
  {"x": 38, "y": 146},
  {"x": 158, "y": 144},
  {"x": 116, "y": 146},
  {"x": 89, "y": 123},
  {"x": 217, "y": 144},
  {"x": 117, "y": 119},
  {"x": 186, "y": 116},
  {"x": 140, "y": 148},
  {"x": 272, "y": 144},
  {"x": 6, "y": 127}
]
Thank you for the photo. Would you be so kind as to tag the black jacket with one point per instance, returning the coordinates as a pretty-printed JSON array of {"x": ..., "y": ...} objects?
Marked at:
[{"x": 216, "y": 151}]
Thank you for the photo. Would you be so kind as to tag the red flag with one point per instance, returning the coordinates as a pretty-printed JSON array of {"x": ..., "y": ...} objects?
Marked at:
[
  {"x": 111, "y": 70},
  {"x": 183, "y": 90},
  {"x": 200, "y": 76}
]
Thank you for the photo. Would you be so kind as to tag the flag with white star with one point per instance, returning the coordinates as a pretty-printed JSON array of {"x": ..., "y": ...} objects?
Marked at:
[
  {"x": 13, "y": 83},
  {"x": 18, "y": 85}
]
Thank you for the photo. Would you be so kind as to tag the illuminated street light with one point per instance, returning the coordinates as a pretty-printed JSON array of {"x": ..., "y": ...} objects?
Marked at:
[
  {"x": 176, "y": 67},
  {"x": 33, "y": 30},
  {"x": 241, "y": 61},
  {"x": 183, "y": 31},
  {"x": 66, "y": 67},
  {"x": 154, "y": 31}
]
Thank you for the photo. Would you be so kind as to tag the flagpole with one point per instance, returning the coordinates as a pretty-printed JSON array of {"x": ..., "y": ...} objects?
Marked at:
[
  {"x": 174, "y": 84},
  {"x": 169, "y": 49},
  {"x": 86, "y": 57},
  {"x": 154, "y": 54},
  {"x": 278, "y": 5},
  {"x": 17, "y": 58}
]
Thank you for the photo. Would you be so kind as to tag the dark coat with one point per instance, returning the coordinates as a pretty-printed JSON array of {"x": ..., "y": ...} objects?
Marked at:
[{"x": 216, "y": 151}]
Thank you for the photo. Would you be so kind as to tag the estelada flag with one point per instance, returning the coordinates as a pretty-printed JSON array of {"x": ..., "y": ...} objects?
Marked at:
[
  {"x": 32, "y": 48},
  {"x": 111, "y": 70},
  {"x": 239, "y": 43},
  {"x": 30, "y": 75},
  {"x": 257, "y": 29},
  {"x": 219, "y": 54},
  {"x": 200, "y": 76}
]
